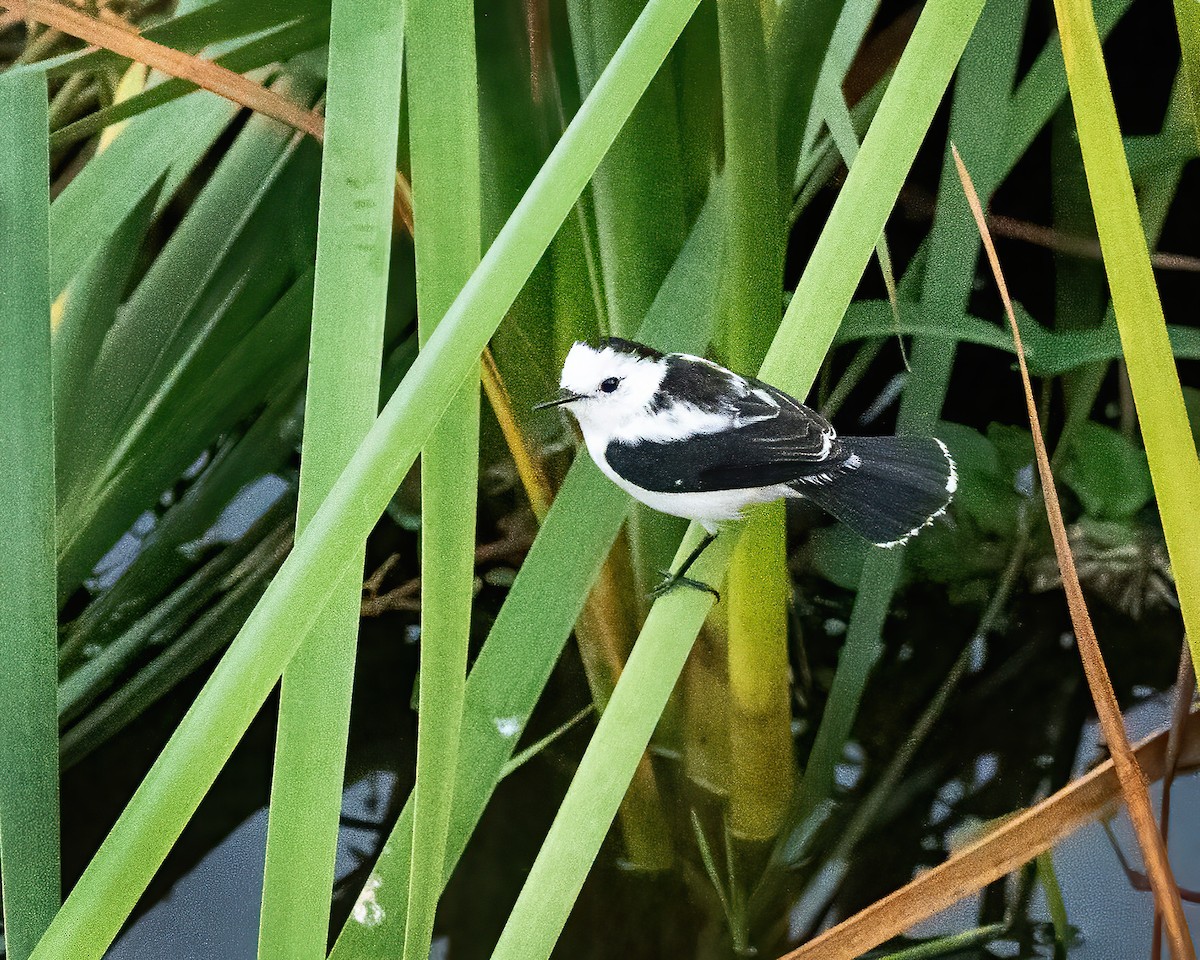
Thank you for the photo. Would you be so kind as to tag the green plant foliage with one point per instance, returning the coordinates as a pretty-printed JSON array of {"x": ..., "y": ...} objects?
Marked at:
[
  {"x": 533, "y": 626},
  {"x": 354, "y": 240},
  {"x": 185, "y": 770},
  {"x": 29, "y": 859},
  {"x": 444, "y": 143},
  {"x": 808, "y": 328},
  {"x": 1152, "y": 376},
  {"x": 1013, "y": 117},
  {"x": 1108, "y": 474},
  {"x": 151, "y": 364},
  {"x": 822, "y": 704}
]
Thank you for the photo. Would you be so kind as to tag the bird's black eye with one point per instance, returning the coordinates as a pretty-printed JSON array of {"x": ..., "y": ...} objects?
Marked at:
[{"x": 611, "y": 384}]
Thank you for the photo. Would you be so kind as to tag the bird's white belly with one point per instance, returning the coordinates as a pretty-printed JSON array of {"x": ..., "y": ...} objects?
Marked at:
[{"x": 707, "y": 508}]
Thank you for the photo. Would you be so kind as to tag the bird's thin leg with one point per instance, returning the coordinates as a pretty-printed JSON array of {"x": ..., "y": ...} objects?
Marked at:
[
  {"x": 679, "y": 578},
  {"x": 695, "y": 554}
]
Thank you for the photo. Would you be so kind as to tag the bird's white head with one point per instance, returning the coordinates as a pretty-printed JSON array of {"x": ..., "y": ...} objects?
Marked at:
[{"x": 605, "y": 386}]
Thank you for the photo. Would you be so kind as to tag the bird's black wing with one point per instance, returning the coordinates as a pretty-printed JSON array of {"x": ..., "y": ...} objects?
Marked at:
[{"x": 777, "y": 440}]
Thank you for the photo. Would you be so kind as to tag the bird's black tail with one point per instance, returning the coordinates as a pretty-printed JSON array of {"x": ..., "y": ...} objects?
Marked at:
[{"x": 900, "y": 484}]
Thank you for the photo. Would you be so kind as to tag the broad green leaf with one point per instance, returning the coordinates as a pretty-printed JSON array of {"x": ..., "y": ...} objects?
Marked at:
[
  {"x": 1107, "y": 472},
  {"x": 354, "y": 240},
  {"x": 29, "y": 858},
  {"x": 444, "y": 145}
]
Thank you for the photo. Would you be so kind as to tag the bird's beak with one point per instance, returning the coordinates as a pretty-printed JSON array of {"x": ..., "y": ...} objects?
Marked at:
[{"x": 564, "y": 396}]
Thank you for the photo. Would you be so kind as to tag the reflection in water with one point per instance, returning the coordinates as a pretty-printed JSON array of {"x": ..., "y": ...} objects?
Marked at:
[{"x": 212, "y": 910}]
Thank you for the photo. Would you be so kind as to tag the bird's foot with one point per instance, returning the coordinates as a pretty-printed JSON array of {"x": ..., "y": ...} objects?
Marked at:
[{"x": 673, "y": 581}]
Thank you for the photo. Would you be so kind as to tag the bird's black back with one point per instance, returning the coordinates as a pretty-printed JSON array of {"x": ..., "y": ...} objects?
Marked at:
[{"x": 772, "y": 438}]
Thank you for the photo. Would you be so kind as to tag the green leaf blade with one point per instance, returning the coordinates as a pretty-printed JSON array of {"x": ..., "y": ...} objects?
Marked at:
[
  {"x": 354, "y": 239},
  {"x": 1157, "y": 393},
  {"x": 444, "y": 145},
  {"x": 29, "y": 816}
]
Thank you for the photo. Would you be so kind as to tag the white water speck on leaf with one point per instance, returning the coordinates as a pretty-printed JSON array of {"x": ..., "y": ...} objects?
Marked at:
[
  {"x": 1023, "y": 481},
  {"x": 978, "y": 654},
  {"x": 368, "y": 911},
  {"x": 508, "y": 726}
]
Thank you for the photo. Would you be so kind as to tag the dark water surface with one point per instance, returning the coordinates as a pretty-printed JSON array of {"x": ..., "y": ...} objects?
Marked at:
[{"x": 205, "y": 902}]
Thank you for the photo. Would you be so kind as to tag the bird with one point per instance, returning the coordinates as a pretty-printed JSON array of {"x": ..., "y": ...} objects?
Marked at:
[{"x": 687, "y": 437}]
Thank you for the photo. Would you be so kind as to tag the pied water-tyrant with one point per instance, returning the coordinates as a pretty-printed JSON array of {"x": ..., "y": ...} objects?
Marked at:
[{"x": 687, "y": 437}]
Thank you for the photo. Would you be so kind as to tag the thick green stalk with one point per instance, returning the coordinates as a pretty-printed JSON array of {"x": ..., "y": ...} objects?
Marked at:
[
  {"x": 760, "y": 738},
  {"x": 29, "y": 863},
  {"x": 444, "y": 145},
  {"x": 1157, "y": 393},
  {"x": 144, "y": 833},
  {"x": 762, "y": 764},
  {"x": 808, "y": 329},
  {"x": 349, "y": 298}
]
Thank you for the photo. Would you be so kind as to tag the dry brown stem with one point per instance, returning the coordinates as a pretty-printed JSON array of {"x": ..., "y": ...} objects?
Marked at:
[
  {"x": 122, "y": 39},
  {"x": 126, "y": 42},
  {"x": 1008, "y": 847}
]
